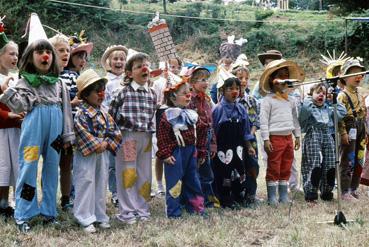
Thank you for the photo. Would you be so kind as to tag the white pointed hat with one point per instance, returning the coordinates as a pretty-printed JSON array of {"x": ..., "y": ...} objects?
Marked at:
[{"x": 36, "y": 31}]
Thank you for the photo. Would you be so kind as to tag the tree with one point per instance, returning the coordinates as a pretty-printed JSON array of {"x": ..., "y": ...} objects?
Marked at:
[{"x": 350, "y": 5}]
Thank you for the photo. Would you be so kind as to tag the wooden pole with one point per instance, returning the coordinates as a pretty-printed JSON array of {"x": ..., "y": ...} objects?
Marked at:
[{"x": 165, "y": 6}]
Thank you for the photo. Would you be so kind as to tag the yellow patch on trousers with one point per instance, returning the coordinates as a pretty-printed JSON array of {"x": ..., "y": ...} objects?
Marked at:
[
  {"x": 175, "y": 191},
  {"x": 145, "y": 190},
  {"x": 129, "y": 177},
  {"x": 30, "y": 153},
  {"x": 149, "y": 146}
]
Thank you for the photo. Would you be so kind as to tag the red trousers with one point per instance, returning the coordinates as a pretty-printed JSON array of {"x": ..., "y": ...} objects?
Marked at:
[{"x": 280, "y": 159}]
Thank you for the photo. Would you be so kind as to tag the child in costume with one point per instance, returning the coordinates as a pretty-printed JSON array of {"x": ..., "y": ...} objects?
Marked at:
[
  {"x": 352, "y": 130},
  {"x": 96, "y": 134},
  {"x": 252, "y": 109},
  {"x": 232, "y": 130},
  {"x": 278, "y": 120},
  {"x": 10, "y": 124},
  {"x": 113, "y": 61},
  {"x": 171, "y": 72},
  {"x": 46, "y": 128},
  {"x": 178, "y": 143},
  {"x": 318, "y": 150},
  {"x": 201, "y": 103},
  {"x": 133, "y": 110},
  {"x": 61, "y": 45}
]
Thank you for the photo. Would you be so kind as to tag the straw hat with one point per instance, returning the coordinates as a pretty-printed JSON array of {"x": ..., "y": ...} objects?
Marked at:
[
  {"x": 295, "y": 72},
  {"x": 271, "y": 54},
  {"x": 86, "y": 79},
  {"x": 78, "y": 43},
  {"x": 104, "y": 59}
]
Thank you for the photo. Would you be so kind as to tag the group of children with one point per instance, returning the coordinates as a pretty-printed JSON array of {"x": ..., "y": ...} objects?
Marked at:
[{"x": 99, "y": 131}]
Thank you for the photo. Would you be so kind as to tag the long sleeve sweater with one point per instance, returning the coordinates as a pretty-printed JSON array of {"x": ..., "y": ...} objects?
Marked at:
[{"x": 278, "y": 117}]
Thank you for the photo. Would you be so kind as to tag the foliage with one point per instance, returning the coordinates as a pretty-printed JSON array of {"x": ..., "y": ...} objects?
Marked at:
[
  {"x": 350, "y": 5},
  {"x": 261, "y": 15}
]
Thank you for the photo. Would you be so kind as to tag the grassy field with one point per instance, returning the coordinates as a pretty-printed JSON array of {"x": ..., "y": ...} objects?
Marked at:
[{"x": 298, "y": 225}]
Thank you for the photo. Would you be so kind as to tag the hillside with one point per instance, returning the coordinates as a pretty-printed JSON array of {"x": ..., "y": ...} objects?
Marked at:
[{"x": 300, "y": 35}]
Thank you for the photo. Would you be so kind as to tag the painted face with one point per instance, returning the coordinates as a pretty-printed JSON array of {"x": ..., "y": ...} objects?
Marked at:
[
  {"x": 319, "y": 96},
  {"x": 232, "y": 93},
  {"x": 200, "y": 83},
  {"x": 174, "y": 66},
  {"x": 63, "y": 51},
  {"x": 183, "y": 96},
  {"x": 243, "y": 76},
  {"x": 282, "y": 74},
  {"x": 354, "y": 81},
  {"x": 96, "y": 97},
  {"x": 42, "y": 61},
  {"x": 79, "y": 60},
  {"x": 117, "y": 62},
  {"x": 140, "y": 72},
  {"x": 9, "y": 59}
]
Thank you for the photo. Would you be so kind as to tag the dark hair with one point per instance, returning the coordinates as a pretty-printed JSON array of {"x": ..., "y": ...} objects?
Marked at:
[
  {"x": 317, "y": 87},
  {"x": 199, "y": 72},
  {"x": 96, "y": 86},
  {"x": 229, "y": 83},
  {"x": 139, "y": 57},
  {"x": 70, "y": 64},
  {"x": 26, "y": 63},
  {"x": 170, "y": 93}
]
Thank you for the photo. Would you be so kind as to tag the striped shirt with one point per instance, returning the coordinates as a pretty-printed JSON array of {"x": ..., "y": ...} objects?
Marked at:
[
  {"x": 134, "y": 107},
  {"x": 69, "y": 77},
  {"x": 92, "y": 126}
]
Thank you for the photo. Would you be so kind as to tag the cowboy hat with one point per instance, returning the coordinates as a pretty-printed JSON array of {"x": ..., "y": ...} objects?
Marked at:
[
  {"x": 271, "y": 54},
  {"x": 87, "y": 78},
  {"x": 295, "y": 72},
  {"x": 104, "y": 59}
]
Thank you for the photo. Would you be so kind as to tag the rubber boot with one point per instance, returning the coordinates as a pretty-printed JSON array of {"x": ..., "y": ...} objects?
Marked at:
[
  {"x": 283, "y": 192},
  {"x": 272, "y": 193}
]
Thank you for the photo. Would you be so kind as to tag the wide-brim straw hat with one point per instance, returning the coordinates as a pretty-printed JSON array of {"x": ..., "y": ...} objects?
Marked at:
[
  {"x": 87, "y": 78},
  {"x": 271, "y": 54},
  {"x": 87, "y": 47},
  {"x": 295, "y": 72},
  {"x": 350, "y": 64},
  {"x": 104, "y": 59}
]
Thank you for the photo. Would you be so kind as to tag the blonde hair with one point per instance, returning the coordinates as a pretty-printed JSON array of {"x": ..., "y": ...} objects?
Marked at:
[
  {"x": 3, "y": 49},
  {"x": 59, "y": 39}
]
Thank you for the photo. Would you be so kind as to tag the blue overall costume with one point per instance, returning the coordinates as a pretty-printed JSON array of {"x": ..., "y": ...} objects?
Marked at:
[
  {"x": 232, "y": 129},
  {"x": 177, "y": 138},
  {"x": 46, "y": 126}
]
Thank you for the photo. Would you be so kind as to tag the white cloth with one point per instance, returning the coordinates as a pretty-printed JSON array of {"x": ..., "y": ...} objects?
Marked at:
[
  {"x": 90, "y": 179},
  {"x": 9, "y": 145}
]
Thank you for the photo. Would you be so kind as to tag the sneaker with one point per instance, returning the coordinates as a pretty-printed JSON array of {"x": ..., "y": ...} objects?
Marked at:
[
  {"x": 89, "y": 229},
  {"x": 114, "y": 201},
  {"x": 355, "y": 194},
  {"x": 7, "y": 212},
  {"x": 24, "y": 227},
  {"x": 104, "y": 225},
  {"x": 144, "y": 218},
  {"x": 348, "y": 197},
  {"x": 152, "y": 193}
]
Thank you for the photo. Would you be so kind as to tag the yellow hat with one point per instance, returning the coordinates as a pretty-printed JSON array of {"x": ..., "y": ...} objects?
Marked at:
[
  {"x": 295, "y": 72},
  {"x": 87, "y": 78}
]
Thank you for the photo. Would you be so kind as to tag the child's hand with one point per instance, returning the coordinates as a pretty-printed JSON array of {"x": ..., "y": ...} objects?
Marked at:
[
  {"x": 67, "y": 145},
  {"x": 5, "y": 84},
  {"x": 297, "y": 143},
  {"x": 200, "y": 162},
  {"x": 345, "y": 139},
  {"x": 253, "y": 130},
  {"x": 251, "y": 151},
  {"x": 102, "y": 147},
  {"x": 268, "y": 146},
  {"x": 212, "y": 154},
  {"x": 15, "y": 116},
  {"x": 76, "y": 101},
  {"x": 170, "y": 160}
]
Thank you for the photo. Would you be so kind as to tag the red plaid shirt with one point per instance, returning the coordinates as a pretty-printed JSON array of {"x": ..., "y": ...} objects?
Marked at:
[
  {"x": 201, "y": 103},
  {"x": 167, "y": 141}
]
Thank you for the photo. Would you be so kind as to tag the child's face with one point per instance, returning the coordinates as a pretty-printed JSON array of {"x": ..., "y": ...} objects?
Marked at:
[
  {"x": 200, "y": 83},
  {"x": 140, "y": 72},
  {"x": 354, "y": 81},
  {"x": 96, "y": 97},
  {"x": 42, "y": 60},
  {"x": 79, "y": 61},
  {"x": 174, "y": 66},
  {"x": 183, "y": 96},
  {"x": 9, "y": 59},
  {"x": 319, "y": 96},
  {"x": 117, "y": 62},
  {"x": 63, "y": 51},
  {"x": 243, "y": 76},
  {"x": 282, "y": 74},
  {"x": 232, "y": 93}
]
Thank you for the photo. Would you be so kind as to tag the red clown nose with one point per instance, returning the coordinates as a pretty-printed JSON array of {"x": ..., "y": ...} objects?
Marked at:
[
  {"x": 188, "y": 95},
  {"x": 234, "y": 94},
  {"x": 145, "y": 69},
  {"x": 45, "y": 57},
  {"x": 101, "y": 94}
]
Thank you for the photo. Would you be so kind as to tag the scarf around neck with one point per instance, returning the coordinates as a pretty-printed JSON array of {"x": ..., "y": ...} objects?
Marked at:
[
  {"x": 181, "y": 118},
  {"x": 35, "y": 80}
]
